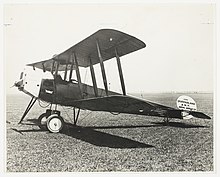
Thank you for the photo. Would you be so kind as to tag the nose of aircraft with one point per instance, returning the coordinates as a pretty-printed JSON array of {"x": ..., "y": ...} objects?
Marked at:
[{"x": 19, "y": 84}]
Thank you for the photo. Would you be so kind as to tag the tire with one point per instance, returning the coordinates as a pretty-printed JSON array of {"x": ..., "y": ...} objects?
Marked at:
[
  {"x": 55, "y": 123},
  {"x": 42, "y": 121}
]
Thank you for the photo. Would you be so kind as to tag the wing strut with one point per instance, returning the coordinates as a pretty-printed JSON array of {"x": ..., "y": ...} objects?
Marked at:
[
  {"x": 71, "y": 68},
  {"x": 93, "y": 79},
  {"x": 44, "y": 70},
  {"x": 52, "y": 67},
  {"x": 120, "y": 72},
  {"x": 57, "y": 68},
  {"x": 102, "y": 68},
  {"x": 78, "y": 74},
  {"x": 65, "y": 71}
]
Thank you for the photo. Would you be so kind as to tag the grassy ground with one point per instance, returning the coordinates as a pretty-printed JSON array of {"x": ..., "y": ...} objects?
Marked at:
[{"x": 105, "y": 142}]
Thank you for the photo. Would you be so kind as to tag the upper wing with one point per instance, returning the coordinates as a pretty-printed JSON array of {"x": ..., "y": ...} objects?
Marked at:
[
  {"x": 130, "y": 105},
  {"x": 48, "y": 64},
  {"x": 108, "y": 40}
]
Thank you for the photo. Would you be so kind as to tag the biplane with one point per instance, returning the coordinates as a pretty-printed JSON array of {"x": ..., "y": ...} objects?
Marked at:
[{"x": 103, "y": 45}]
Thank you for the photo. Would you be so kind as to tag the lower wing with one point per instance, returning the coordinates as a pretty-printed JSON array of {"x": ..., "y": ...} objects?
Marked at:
[{"x": 132, "y": 105}]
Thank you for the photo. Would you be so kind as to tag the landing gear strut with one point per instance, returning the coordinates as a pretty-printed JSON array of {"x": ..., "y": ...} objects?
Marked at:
[
  {"x": 51, "y": 119},
  {"x": 75, "y": 115},
  {"x": 42, "y": 119},
  {"x": 30, "y": 105}
]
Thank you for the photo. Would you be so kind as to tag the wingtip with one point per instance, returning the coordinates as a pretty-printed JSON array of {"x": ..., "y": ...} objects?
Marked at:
[{"x": 118, "y": 31}]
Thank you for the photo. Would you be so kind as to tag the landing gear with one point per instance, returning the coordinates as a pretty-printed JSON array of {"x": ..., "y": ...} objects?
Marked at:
[
  {"x": 55, "y": 123},
  {"x": 51, "y": 120},
  {"x": 42, "y": 119}
]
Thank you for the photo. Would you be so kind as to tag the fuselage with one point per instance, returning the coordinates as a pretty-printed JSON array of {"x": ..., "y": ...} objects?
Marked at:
[{"x": 56, "y": 90}]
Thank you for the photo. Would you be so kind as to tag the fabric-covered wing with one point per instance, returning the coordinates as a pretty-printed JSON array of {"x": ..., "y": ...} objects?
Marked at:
[
  {"x": 48, "y": 64},
  {"x": 108, "y": 39},
  {"x": 130, "y": 105},
  {"x": 126, "y": 104}
]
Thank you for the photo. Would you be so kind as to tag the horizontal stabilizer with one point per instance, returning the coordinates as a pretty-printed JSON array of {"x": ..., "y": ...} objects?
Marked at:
[{"x": 199, "y": 115}]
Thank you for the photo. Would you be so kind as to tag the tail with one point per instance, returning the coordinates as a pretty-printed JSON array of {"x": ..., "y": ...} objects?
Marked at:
[
  {"x": 188, "y": 108},
  {"x": 199, "y": 115}
]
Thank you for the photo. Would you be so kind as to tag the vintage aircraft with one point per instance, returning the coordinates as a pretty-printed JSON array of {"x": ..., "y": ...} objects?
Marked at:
[{"x": 103, "y": 45}]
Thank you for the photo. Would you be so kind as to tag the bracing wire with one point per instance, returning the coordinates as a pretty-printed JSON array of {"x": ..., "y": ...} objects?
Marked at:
[
  {"x": 69, "y": 117},
  {"x": 67, "y": 114},
  {"x": 86, "y": 115},
  {"x": 85, "y": 76}
]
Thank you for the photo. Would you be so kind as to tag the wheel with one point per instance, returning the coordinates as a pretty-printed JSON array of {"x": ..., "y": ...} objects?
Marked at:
[
  {"x": 55, "y": 123},
  {"x": 42, "y": 121}
]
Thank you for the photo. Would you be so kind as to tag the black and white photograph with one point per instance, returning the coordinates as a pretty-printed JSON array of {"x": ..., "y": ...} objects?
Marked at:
[{"x": 109, "y": 87}]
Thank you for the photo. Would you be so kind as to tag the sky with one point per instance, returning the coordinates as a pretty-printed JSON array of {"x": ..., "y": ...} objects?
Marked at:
[{"x": 179, "y": 40}]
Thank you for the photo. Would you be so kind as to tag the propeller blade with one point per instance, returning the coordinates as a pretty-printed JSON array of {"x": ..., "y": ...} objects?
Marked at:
[{"x": 13, "y": 85}]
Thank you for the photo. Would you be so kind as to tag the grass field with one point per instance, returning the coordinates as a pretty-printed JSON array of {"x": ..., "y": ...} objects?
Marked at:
[{"x": 105, "y": 142}]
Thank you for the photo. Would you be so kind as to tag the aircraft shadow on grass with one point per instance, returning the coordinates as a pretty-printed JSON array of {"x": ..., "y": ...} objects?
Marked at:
[
  {"x": 103, "y": 139},
  {"x": 26, "y": 130},
  {"x": 92, "y": 136},
  {"x": 179, "y": 125},
  {"x": 98, "y": 138}
]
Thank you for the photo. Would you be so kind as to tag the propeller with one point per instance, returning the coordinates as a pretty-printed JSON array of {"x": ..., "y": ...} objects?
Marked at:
[
  {"x": 17, "y": 84},
  {"x": 13, "y": 85}
]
